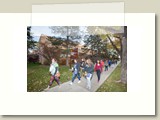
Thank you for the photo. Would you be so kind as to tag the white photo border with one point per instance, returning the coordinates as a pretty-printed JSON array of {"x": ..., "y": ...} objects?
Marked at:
[{"x": 138, "y": 100}]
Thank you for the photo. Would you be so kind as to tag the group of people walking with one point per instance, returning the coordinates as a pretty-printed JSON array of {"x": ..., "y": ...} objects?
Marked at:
[{"x": 85, "y": 69}]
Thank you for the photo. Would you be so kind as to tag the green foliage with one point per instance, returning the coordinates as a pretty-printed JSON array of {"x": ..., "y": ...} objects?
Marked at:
[
  {"x": 30, "y": 41},
  {"x": 96, "y": 44},
  {"x": 38, "y": 76},
  {"x": 112, "y": 53},
  {"x": 110, "y": 85}
]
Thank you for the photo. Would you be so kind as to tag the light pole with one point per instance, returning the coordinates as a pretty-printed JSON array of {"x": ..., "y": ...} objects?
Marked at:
[
  {"x": 67, "y": 47},
  {"x": 70, "y": 57}
]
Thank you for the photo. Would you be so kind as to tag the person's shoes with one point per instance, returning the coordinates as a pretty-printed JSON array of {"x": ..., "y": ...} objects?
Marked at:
[
  {"x": 79, "y": 81},
  {"x": 70, "y": 83}
]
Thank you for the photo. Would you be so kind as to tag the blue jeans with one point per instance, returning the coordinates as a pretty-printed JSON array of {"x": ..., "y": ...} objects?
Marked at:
[
  {"x": 89, "y": 77},
  {"x": 76, "y": 75},
  {"x": 98, "y": 74}
]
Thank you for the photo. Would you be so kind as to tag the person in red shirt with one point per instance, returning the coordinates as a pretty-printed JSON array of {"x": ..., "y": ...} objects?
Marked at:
[
  {"x": 98, "y": 69},
  {"x": 102, "y": 63}
]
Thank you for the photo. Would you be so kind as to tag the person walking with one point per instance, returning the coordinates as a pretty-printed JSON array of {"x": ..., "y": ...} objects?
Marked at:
[
  {"x": 112, "y": 63},
  {"x": 102, "y": 64},
  {"x": 82, "y": 66},
  {"x": 89, "y": 69},
  {"x": 98, "y": 69},
  {"x": 116, "y": 61},
  {"x": 109, "y": 63},
  {"x": 106, "y": 65},
  {"x": 54, "y": 72},
  {"x": 75, "y": 71}
]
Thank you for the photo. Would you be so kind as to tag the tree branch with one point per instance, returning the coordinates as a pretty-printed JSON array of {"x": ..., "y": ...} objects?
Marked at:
[{"x": 119, "y": 51}]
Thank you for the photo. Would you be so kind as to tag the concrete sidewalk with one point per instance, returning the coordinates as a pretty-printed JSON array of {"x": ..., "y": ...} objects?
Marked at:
[{"x": 81, "y": 87}]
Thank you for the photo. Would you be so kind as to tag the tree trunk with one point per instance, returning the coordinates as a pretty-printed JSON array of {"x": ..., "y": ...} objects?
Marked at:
[
  {"x": 67, "y": 63},
  {"x": 121, "y": 48},
  {"x": 124, "y": 57}
]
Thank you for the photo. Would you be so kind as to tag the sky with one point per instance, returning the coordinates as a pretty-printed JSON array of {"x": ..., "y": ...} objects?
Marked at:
[{"x": 38, "y": 30}]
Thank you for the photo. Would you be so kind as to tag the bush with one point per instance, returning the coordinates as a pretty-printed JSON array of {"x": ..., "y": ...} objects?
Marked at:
[{"x": 34, "y": 58}]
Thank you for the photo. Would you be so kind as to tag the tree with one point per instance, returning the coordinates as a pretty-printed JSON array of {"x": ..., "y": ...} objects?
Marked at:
[
  {"x": 53, "y": 47},
  {"x": 119, "y": 33},
  {"x": 122, "y": 52},
  {"x": 95, "y": 44},
  {"x": 113, "y": 53},
  {"x": 48, "y": 52},
  {"x": 69, "y": 32},
  {"x": 30, "y": 41},
  {"x": 124, "y": 57},
  {"x": 114, "y": 45}
]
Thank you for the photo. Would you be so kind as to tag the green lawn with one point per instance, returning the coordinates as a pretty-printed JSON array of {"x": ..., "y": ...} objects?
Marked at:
[
  {"x": 38, "y": 76},
  {"x": 110, "y": 85}
]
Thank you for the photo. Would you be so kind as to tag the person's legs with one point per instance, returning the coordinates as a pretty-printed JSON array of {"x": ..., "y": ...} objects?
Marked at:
[
  {"x": 73, "y": 77},
  {"x": 78, "y": 76},
  {"x": 57, "y": 80},
  {"x": 106, "y": 67},
  {"x": 89, "y": 81},
  {"x": 51, "y": 81},
  {"x": 81, "y": 72},
  {"x": 99, "y": 73}
]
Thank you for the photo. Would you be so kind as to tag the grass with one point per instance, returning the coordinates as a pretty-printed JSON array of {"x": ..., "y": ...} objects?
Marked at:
[
  {"x": 110, "y": 85},
  {"x": 38, "y": 76}
]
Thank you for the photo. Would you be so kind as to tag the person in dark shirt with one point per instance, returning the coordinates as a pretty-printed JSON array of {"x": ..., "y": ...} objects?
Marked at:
[
  {"x": 76, "y": 70},
  {"x": 106, "y": 65},
  {"x": 82, "y": 65},
  {"x": 109, "y": 63},
  {"x": 89, "y": 69}
]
